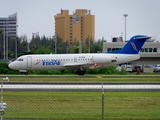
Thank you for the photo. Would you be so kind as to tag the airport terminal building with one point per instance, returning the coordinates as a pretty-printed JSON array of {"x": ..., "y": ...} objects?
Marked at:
[{"x": 150, "y": 52}]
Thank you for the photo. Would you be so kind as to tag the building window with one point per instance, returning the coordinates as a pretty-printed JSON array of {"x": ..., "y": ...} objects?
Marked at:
[
  {"x": 146, "y": 49},
  {"x": 142, "y": 50},
  {"x": 118, "y": 48},
  {"x": 150, "y": 49},
  {"x": 113, "y": 49},
  {"x": 154, "y": 49}
]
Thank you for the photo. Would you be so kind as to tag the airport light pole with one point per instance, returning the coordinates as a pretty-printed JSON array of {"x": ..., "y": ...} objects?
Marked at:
[
  {"x": 16, "y": 46},
  {"x": 4, "y": 40},
  {"x": 55, "y": 43},
  {"x": 16, "y": 39},
  {"x": 89, "y": 45},
  {"x": 125, "y": 15},
  {"x": 67, "y": 46},
  {"x": 7, "y": 40}
]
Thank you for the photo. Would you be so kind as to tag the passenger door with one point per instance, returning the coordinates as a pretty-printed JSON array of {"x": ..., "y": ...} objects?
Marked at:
[{"x": 29, "y": 61}]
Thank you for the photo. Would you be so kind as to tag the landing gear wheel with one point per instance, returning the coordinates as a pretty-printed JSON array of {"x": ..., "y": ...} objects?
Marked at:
[{"x": 80, "y": 72}]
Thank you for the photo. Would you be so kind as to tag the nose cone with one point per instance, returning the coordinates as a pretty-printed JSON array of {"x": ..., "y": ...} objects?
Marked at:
[{"x": 11, "y": 66}]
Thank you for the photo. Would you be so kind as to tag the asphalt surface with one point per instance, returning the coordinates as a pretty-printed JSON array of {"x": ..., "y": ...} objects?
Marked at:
[{"x": 36, "y": 86}]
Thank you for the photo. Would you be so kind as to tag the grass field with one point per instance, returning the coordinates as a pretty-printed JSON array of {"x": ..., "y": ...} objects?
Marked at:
[
  {"x": 87, "y": 78},
  {"x": 78, "y": 105},
  {"x": 82, "y": 105}
]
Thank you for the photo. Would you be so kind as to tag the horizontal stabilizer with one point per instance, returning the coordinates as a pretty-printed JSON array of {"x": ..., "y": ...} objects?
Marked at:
[{"x": 139, "y": 38}]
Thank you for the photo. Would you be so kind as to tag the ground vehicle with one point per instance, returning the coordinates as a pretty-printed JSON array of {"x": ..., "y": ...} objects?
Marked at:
[
  {"x": 137, "y": 67},
  {"x": 129, "y": 68},
  {"x": 156, "y": 68}
]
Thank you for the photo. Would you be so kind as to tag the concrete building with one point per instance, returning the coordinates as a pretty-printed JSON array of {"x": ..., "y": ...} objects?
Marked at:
[
  {"x": 9, "y": 27},
  {"x": 75, "y": 27},
  {"x": 150, "y": 52}
]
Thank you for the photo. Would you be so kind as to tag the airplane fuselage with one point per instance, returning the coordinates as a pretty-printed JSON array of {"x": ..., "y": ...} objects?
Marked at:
[{"x": 70, "y": 61}]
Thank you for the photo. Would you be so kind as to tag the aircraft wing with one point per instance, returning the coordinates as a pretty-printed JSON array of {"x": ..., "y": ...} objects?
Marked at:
[{"x": 77, "y": 64}]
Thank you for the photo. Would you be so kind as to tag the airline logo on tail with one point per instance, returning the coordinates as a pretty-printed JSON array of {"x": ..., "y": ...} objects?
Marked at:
[{"x": 134, "y": 46}]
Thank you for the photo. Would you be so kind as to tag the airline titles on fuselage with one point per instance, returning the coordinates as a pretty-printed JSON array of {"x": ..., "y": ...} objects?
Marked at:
[{"x": 52, "y": 62}]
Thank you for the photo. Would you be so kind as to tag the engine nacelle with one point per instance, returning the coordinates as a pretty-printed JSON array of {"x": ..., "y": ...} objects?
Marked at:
[{"x": 100, "y": 58}]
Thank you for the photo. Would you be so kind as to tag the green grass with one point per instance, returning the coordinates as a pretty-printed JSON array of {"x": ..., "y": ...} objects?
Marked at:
[
  {"x": 94, "y": 78},
  {"x": 82, "y": 105}
]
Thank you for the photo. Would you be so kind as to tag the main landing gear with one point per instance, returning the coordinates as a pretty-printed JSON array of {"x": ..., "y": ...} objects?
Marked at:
[{"x": 81, "y": 72}]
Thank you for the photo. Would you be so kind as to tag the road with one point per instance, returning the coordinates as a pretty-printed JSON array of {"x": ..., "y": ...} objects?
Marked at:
[{"x": 21, "y": 86}]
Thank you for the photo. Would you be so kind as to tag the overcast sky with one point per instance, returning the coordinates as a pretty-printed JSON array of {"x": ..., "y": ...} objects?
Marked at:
[{"x": 38, "y": 16}]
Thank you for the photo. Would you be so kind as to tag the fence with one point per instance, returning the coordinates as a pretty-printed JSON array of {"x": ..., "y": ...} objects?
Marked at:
[{"x": 81, "y": 105}]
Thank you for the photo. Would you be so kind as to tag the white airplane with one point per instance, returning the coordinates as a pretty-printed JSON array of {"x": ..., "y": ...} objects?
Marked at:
[{"x": 80, "y": 62}]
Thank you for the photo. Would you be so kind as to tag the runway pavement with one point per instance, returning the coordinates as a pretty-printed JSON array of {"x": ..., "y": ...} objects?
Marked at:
[{"x": 17, "y": 86}]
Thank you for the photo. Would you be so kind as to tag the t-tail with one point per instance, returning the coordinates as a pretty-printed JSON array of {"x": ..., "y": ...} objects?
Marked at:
[{"x": 133, "y": 46}]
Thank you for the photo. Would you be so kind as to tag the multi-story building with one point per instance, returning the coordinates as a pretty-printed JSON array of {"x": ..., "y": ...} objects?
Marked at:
[
  {"x": 9, "y": 27},
  {"x": 75, "y": 27}
]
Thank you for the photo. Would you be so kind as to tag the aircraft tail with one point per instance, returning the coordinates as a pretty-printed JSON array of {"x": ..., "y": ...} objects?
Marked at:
[{"x": 133, "y": 46}]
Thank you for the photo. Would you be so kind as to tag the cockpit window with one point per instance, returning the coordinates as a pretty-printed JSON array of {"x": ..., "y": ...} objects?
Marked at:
[{"x": 19, "y": 59}]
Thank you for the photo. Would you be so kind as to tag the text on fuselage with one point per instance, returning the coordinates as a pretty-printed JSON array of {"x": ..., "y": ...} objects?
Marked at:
[
  {"x": 52, "y": 62},
  {"x": 81, "y": 56}
]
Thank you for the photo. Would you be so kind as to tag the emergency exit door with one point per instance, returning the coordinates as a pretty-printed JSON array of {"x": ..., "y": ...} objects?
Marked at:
[{"x": 29, "y": 61}]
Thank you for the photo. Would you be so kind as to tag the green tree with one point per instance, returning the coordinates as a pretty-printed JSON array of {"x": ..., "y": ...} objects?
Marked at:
[
  {"x": 74, "y": 48},
  {"x": 24, "y": 43},
  {"x": 42, "y": 50},
  {"x": 10, "y": 54}
]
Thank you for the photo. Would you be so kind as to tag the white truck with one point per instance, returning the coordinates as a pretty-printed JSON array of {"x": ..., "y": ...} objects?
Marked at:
[{"x": 156, "y": 68}]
